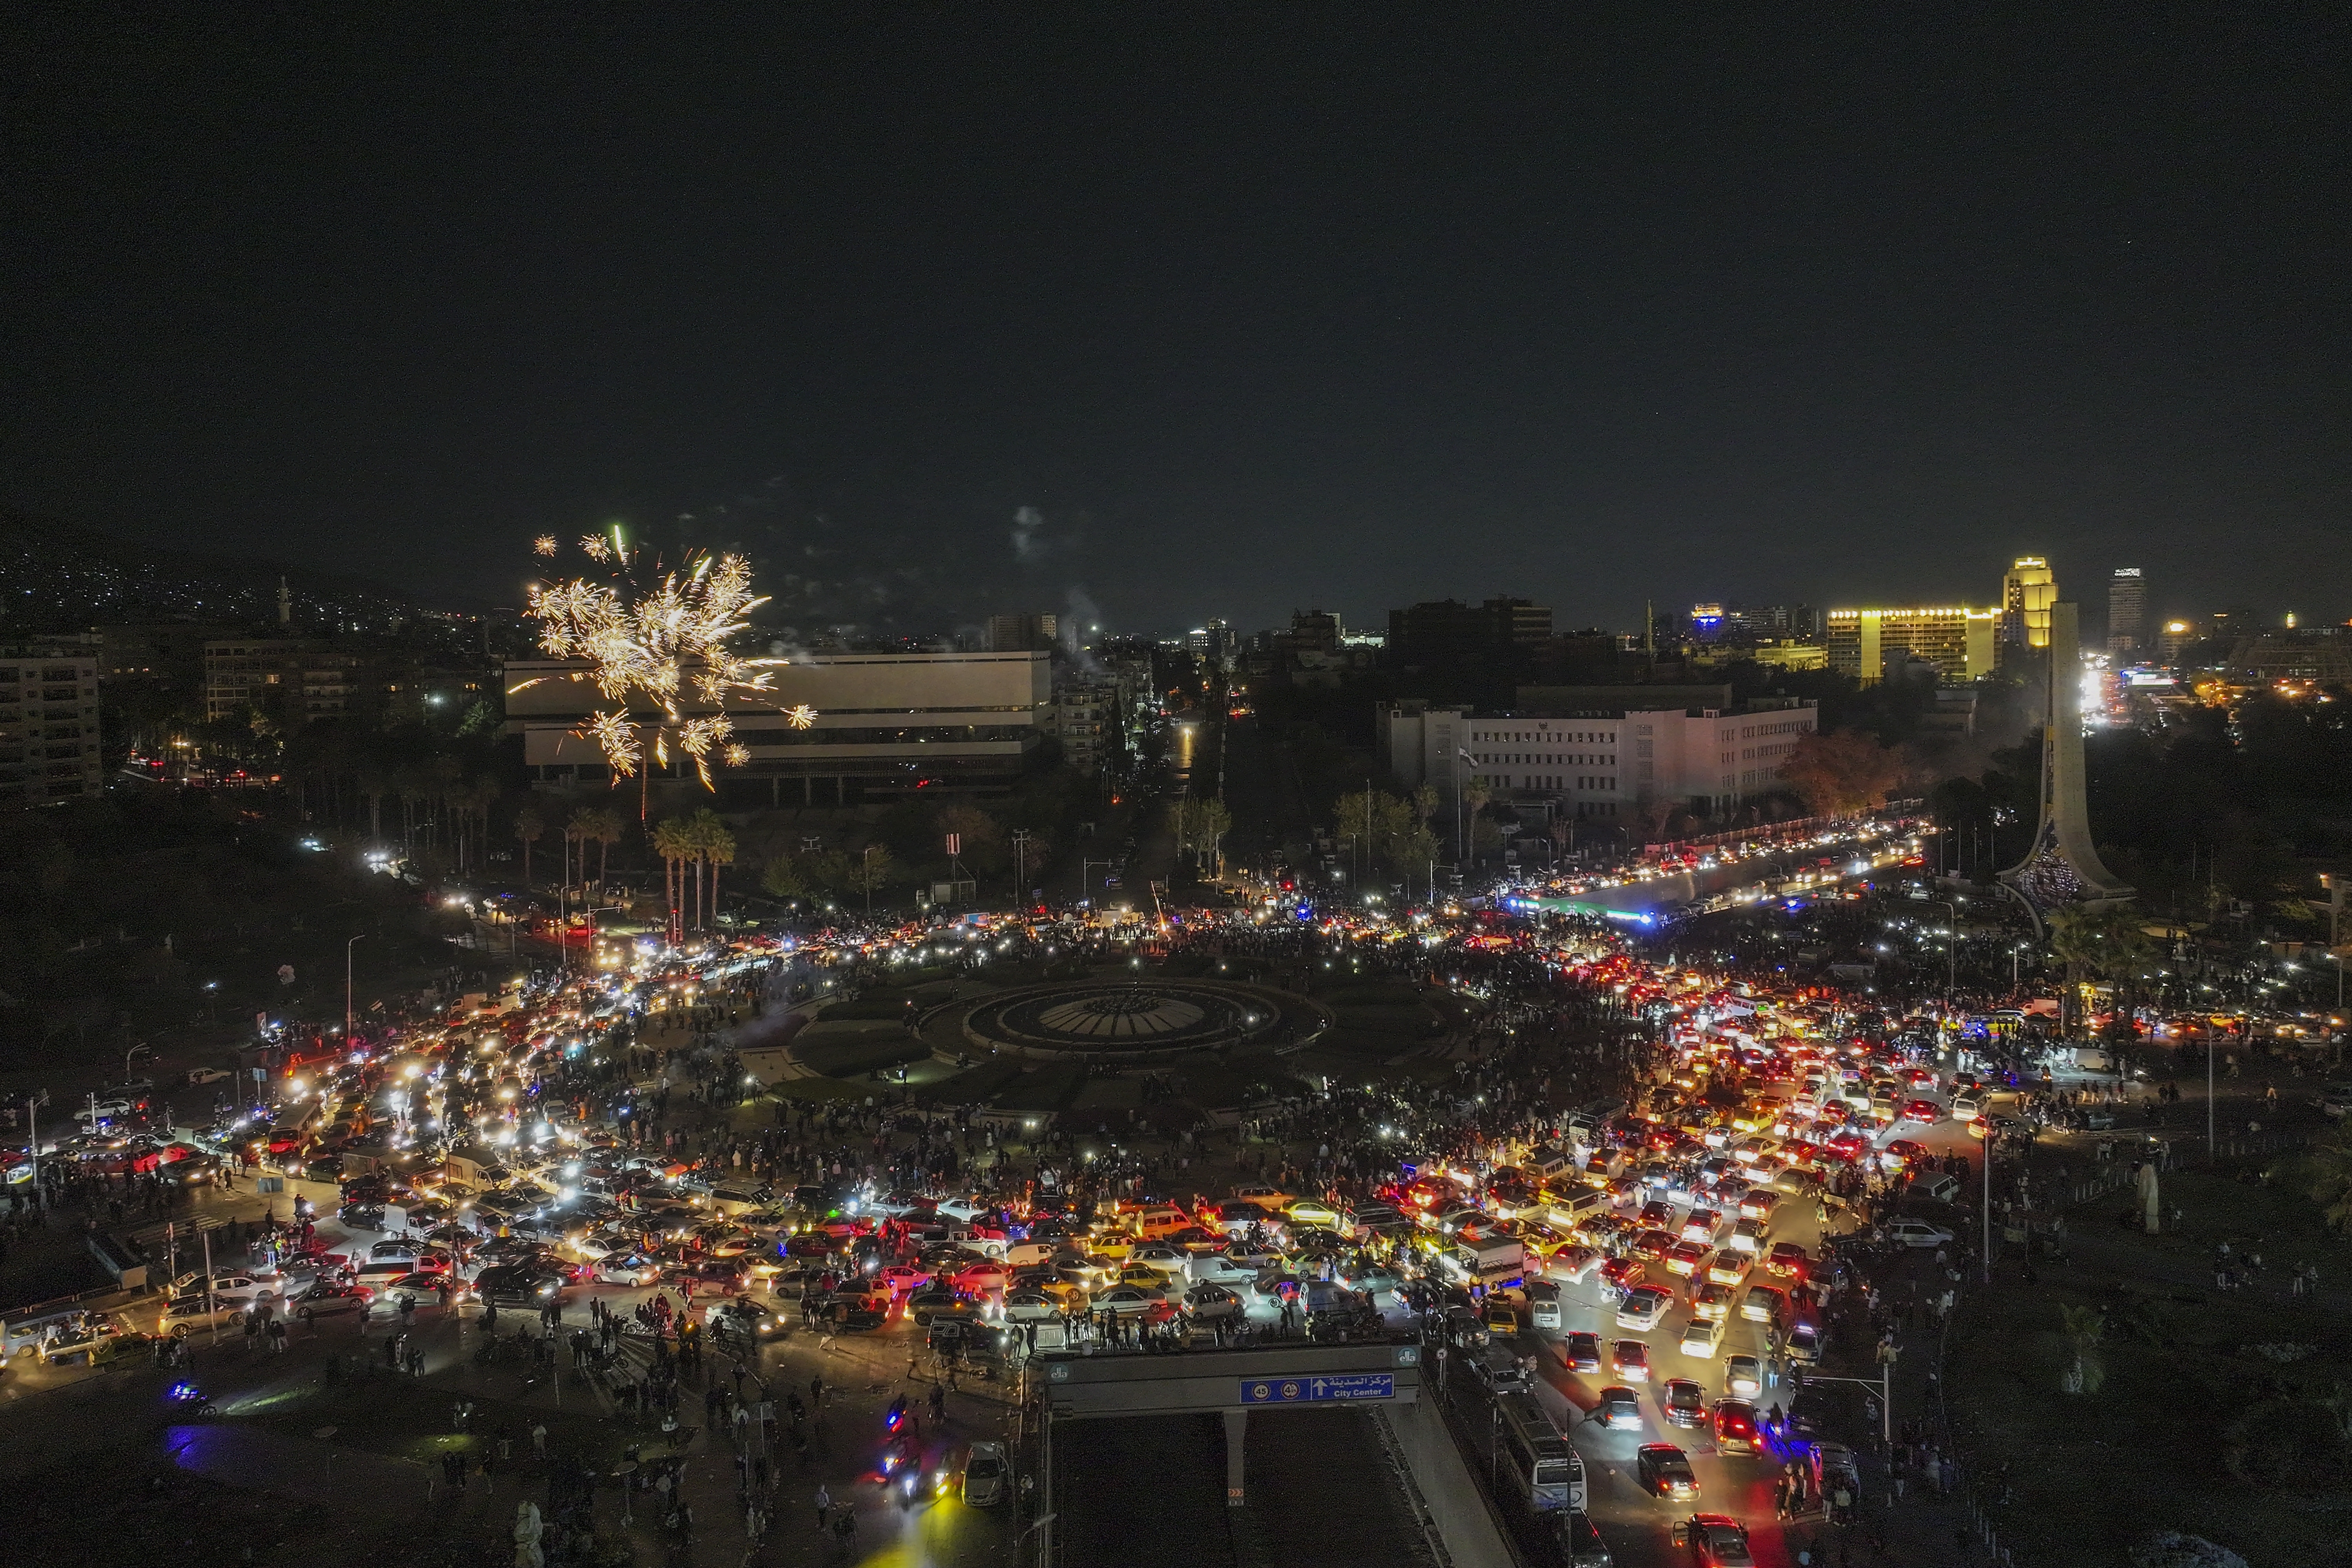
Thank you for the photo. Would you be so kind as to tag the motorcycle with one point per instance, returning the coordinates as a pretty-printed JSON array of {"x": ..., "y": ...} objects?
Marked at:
[{"x": 191, "y": 1399}]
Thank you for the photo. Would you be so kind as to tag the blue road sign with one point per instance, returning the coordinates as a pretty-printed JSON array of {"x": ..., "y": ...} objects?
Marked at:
[{"x": 1318, "y": 1389}]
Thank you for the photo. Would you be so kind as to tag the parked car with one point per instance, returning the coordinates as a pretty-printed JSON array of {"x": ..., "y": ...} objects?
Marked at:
[{"x": 986, "y": 1476}]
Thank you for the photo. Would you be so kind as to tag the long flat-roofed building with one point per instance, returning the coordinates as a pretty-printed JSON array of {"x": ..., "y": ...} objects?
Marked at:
[
  {"x": 1961, "y": 643},
  {"x": 886, "y": 723}
]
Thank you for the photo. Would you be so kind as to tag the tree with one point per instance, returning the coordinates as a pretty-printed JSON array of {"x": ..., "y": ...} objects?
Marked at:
[
  {"x": 876, "y": 868},
  {"x": 2103, "y": 940},
  {"x": 2082, "y": 1328},
  {"x": 529, "y": 828},
  {"x": 1211, "y": 822},
  {"x": 714, "y": 846},
  {"x": 602, "y": 827},
  {"x": 578, "y": 829},
  {"x": 1842, "y": 775},
  {"x": 674, "y": 844},
  {"x": 983, "y": 840}
]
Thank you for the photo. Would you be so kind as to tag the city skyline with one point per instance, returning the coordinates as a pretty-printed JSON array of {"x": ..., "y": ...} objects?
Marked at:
[{"x": 1195, "y": 314}]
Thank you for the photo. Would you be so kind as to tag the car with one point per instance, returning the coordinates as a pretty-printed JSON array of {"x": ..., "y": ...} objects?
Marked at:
[
  {"x": 326, "y": 1299},
  {"x": 1702, "y": 1337},
  {"x": 1023, "y": 1306},
  {"x": 1664, "y": 1471},
  {"x": 1630, "y": 1359},
  {"x": 762, "y": 1316},
  {"x": 517, "y": 1285},
  {"x": 625, "y": 1268},
  {"x": 1700, "y": 1225},
  {"x": 985, "y": 1278},
  {"x": 1683, "y": 1403},
  {"x": 1642, "y": 1309},
  {"x": 1581, "y": 1351},
  {"x": 1712, "y": 1301},
  {"x": 1736, "y": 1428},
  {"x": 986, "y": 1476},
  {"x": 238, "y": 1288},
  {"x": 1212, "y": 1303},
  {"x": 1749, "y": 1236},
  {"x": 1573, "y": 1264},
  {"x": 1272, "y": 1200},
  {"x": 1967, "y": 1106},
  {"x": 1714, "y": 1540},
  {"x": 935, "y": 1302},
  {"x": 1129, "y": 1301},
  {"x": 1620, "y": 1275},
  {"x": 1502, "y": 1317},
  {"x": 1500, "y": 1372},
  {"x": 1728, "y": 1269},
  {"x": 1926, "y": 1112},
  {"x": 199, "y": 1077},
  {"x": 185, "y": 1315},
  {"x": 901, "y": 1279},
  {"x": 419, "y": 1287},
  {"x": 1790, "y": 1258},
  {"x": 1765, "y": 1304},
  {"x": 1617, "y": 1407},
  {"x": 79, "y": 1337},
  {"x": 1805, "y": 1343},
  {"x": 1687, "y": 1257},
  {"x": 1162, "y": 1258},
  {"x": 1758, "y": 1204},
  {"x": 1743, "y": 1376},
  {"x": 1917, "y": 1233}
]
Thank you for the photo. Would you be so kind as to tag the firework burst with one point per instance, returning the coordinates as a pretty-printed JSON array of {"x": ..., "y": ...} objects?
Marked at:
[{"x": 655, "y": 639}]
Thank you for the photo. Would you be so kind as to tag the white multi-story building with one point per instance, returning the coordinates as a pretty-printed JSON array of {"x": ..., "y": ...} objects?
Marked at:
[
  {"x": 886, "y": 723},
  {"x": 1602, "y": 751}
]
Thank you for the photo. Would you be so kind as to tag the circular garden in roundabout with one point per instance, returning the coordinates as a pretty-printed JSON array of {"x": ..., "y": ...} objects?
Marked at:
[{"x": 1139, "y": 1021}]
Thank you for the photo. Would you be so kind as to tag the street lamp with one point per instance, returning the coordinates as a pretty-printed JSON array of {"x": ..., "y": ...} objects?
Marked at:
[{"x": 347, "y": 985}]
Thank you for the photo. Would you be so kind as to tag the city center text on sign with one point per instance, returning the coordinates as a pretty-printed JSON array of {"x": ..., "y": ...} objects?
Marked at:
[{"x": 1318, "y": 1389}]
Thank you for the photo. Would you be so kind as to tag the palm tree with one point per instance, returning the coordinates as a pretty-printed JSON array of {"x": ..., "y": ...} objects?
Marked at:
[
  {"x": 1211, "y": 822},
  {"x": 673, "y": 844},
  {"x": 529, "y": 827},
  {"x": 579, "y": 828},
  {"x": 2082, "y": 1328},
  {"x": 2103, "y": 941},
  {"x": 605, "y": 828},
  {"x": 714, "y": 847}
]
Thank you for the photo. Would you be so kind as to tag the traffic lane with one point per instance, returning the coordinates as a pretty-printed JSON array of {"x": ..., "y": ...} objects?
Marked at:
[
  {"x": 1737, "y": 1485},
  {"x": 863, "y": 1372}
]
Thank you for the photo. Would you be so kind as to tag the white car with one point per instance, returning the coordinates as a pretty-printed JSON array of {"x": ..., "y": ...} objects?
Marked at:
[
  {"x": 238, "y": 1288},
  {"x": 625, "y": 1269},
  {"x": 1030, "y": 1307},
  {"x": 963, "y": 1210},
  {"x": 1218, "y": 1268},
  {"x": 1917, "y": 1233},
  {"x": 1128, "y": 1299},
  {"x": 1703, "y": 1337},
  {"x": 1208, "y": 1303}
]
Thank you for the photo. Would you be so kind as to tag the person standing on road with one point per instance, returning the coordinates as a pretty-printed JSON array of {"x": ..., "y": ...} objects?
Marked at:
[{"x": 823, "y": 1506}]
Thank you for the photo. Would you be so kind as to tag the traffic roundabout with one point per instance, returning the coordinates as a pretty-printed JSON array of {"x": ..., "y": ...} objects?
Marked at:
[{"x": 1123, "y": 1021}]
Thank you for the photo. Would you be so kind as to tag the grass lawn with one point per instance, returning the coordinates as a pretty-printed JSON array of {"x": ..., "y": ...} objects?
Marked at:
[{"x": 2220, "y": 1414}]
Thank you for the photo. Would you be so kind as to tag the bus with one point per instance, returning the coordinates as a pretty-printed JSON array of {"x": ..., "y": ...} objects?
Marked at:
[{"x": 1548, "y": 1471}]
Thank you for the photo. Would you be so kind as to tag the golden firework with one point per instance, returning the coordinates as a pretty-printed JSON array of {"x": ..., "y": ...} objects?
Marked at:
[{"x": 646, "y": 641}]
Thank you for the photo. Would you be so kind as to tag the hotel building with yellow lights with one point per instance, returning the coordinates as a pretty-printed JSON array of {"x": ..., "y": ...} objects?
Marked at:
[{"x": 1961, "y": 643}]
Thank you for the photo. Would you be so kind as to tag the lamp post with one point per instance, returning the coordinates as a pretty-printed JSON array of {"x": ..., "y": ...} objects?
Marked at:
[{"x": 347, "y": 985}]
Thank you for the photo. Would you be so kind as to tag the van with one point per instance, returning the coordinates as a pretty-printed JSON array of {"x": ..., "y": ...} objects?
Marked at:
[{"x": 1151, "y": 1223}]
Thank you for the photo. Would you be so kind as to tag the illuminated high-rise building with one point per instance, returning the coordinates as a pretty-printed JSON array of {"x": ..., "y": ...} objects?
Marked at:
[
  {"x": 2126, "y": 610},
  {"x": 2026, "y": 591},
  {"x": 1956, "y": 641}
]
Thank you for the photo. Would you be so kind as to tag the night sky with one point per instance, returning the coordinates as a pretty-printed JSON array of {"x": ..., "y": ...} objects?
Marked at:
[{"x": 1253, "y": 308}]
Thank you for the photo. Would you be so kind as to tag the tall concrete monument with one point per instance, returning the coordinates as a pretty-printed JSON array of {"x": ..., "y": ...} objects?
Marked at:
[{"x": 2063, "y": 867}]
